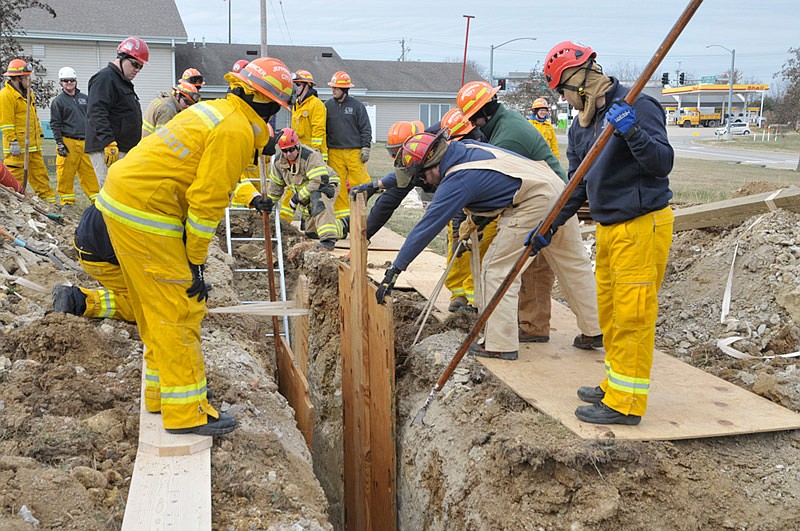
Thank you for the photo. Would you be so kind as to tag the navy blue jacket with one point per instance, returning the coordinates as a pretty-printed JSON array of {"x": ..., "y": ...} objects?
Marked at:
[
  {"x": 91, "y": 237},
  {"x": 630, "y": 176},
  {"x": 478, "y": 190}
]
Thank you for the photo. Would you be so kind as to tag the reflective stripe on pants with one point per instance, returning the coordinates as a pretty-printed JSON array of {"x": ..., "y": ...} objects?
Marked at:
[
  {"x": 38, "y": 178},
  {"x": 78, "y": 162},
  {"x": 352, "y": 172},
  {"x": 112, "y": 302}
]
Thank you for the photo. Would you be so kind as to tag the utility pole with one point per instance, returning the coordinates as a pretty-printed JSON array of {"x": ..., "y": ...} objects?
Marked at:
[
  {"x": 466, "y": 41},
  {"x": 263, "y": 28},
  {"x": 403, "y": 49},
  {"x": 229, "y": 20}
]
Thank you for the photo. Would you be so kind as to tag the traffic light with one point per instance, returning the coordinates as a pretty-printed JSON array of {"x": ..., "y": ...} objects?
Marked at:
[
  {"x": 682, "y": 78},
  {"x": 665, "y": 78},
  {"x": 502, "y": 83}
]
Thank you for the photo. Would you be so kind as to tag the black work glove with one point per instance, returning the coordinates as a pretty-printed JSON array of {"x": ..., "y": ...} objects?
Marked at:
[
  {"x": 482, "y": 221},
  {"x": 61, "y": 149},
  {"x": 262, "y": 203},
  {"x": 387, "y": 285},
  {"x": 537, "y": 242},
  {"x": 199, "y": 286},
  {"x": 327, "y": 190},
  {"x": 294, "y": 201},
  {"x": 370, "y": 188},
  {"x": 461, "y": 248}
]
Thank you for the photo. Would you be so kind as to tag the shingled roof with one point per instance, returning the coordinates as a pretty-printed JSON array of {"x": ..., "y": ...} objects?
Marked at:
[
  {"x": 152, "y": 21},
  {"x": 215, "y": 60}
]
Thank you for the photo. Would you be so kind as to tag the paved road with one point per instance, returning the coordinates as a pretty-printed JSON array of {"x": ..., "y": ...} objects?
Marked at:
[{"x": 682, "y": 142}]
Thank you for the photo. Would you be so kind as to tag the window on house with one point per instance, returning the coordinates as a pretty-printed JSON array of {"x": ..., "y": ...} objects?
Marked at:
[
  {"x": 38, "y": 51},
  {"x": 431, "y": 113}
]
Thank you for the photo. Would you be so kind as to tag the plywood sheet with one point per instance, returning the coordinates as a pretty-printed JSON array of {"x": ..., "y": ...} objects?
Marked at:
[{"x": 684, "y": 402}]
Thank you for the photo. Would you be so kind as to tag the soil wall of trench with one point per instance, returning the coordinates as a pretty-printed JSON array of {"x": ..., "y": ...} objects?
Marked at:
[{"x": 491, "y": 461}]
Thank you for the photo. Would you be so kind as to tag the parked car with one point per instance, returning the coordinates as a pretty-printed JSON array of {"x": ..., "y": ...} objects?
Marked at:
[{"x": 736, "y": 129}]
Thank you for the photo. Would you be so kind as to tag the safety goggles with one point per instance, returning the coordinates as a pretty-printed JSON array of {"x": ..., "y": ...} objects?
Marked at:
[
  {"x": 289, "y": 149},
  {"x": 69, "y": 80},
  {"x": 135, "y": 64},
  {"x": 195, "y": 80}
]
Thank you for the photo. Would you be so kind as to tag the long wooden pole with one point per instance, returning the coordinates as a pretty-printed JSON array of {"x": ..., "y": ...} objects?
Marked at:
[
  {"x": 27, "y": 156},
  {"x": 587, "y": 162},
  {"x": 262, "y": 167}
]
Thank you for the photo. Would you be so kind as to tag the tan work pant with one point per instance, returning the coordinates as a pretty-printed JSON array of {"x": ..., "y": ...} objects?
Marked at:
[
  {"x": 565, "y": 254},
  {"x": 37, "y": 174},
  {"x": 98, "y": 159},
  {"x": 78, "y": 162},
  {"x": 352, "y": 172}
]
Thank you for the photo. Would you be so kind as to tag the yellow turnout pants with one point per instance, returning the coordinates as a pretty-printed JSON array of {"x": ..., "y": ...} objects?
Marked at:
[
  {"x": 112, "y": 301},
  {"x": 156, "y": 272},
  {"x": 78, "y": 162},
  {"x": 459, "y": 280},
  {"x": 37, "y": 174},
  {"x": 631, "y": 259},
  {"x": 352, "y": 172}
]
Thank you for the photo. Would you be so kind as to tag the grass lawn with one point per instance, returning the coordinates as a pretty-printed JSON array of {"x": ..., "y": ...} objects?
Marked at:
[{"x": 788, "y": 142}]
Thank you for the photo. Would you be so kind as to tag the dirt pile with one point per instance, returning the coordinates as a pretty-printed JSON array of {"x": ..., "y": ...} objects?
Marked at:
[{"x": 69, "y": 402}]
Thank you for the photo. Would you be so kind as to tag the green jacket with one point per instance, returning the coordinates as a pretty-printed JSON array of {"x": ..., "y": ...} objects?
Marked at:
[{"x": 510, "y": 130}]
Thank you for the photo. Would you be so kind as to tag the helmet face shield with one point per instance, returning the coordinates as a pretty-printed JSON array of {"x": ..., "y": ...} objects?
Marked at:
[{"x": 405, "y": 174}]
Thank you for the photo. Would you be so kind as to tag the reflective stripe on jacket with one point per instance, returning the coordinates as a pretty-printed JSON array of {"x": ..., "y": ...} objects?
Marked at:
[
  {"x": 183, "y": 175},
  {"x": 307, "y": 174},
  {"x": 308, "y": 121},
  {"x": 12, "y": 120}
]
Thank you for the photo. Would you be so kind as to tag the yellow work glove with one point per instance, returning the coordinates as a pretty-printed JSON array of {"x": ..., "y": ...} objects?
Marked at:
[
  {"x": 466, "y": 229},
  {"x": 112, "y": 153}
]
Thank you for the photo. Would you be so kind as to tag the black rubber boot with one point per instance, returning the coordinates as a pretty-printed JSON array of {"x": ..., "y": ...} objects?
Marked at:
[
  {"x": 588, "y": 342},
  {"x": 327, "y": 245},
  {"x": 457, "y": 303},
  {"x": 224, "y": 424},
  {"x": 477, "y": 350},
  {"x": 69, "y": 299},
  {"x": 599, "y": 413},
  {"x": 592, "y": 395}
]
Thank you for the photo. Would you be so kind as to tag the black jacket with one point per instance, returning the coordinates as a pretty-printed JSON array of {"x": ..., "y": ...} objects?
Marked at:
[
  {"x": 114, "y": 113},
  {"x": 630, "y": 177},
  {"x": 68, "y": 115}
]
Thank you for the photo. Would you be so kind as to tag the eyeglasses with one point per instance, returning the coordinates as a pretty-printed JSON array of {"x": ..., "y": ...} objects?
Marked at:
[
  {"x": 289, "y": 149},
  {"x": 135, "y": 64},
  {"x": 69, "y": 80}
]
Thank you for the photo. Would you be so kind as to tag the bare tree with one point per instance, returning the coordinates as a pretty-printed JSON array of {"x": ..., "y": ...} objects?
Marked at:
[
  {"x": 787, "y": 104},
  {"x": 10, "y": 48},
  {"x": 534, "y": 86}
]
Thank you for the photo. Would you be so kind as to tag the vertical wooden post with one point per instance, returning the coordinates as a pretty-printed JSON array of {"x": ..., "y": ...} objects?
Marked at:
[
  {"x": 368, "y": 390},
  {"x": 300, "y": 329}
]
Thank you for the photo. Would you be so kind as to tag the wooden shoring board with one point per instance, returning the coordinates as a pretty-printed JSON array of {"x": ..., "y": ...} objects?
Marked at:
[
  {"x": 730, "y": 211},
  {"x": 171, "y": 482},
  {"x": 367, "y": 346},
  {"x": 684, "y": 402},
  {"x": 293, "y": 385},
  {"x": 383, "y": 444}
]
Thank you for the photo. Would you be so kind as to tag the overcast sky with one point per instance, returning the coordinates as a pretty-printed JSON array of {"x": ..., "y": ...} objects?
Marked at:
[{"x": 621, "y": 32}]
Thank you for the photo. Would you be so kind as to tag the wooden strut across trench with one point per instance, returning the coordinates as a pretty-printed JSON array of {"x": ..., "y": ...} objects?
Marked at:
[{"x": 587, "y": 162}]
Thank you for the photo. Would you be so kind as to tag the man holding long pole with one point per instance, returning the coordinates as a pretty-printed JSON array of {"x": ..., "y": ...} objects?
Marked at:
[
  {"x": 628, "y": 193},
  {"x": 22, "y": 132}
]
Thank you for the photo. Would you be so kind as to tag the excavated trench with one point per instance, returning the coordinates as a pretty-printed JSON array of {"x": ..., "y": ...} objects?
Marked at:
[{"x": 492, "y": 461}]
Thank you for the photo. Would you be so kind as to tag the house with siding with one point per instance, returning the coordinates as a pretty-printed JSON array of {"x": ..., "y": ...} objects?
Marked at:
[
  {"x": 391, "y": 90},
  {"x": 85, "y": 34}
]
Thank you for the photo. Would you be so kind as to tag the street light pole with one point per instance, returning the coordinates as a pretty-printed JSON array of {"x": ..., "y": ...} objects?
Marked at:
[
  {"x": 730, "y": 86},
  {"x": 492, "y": 48}
]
